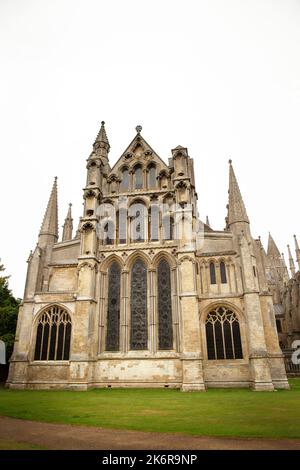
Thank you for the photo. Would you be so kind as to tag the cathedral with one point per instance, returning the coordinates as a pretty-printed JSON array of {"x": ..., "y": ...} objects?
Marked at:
[{"x": 145, "y": 294}]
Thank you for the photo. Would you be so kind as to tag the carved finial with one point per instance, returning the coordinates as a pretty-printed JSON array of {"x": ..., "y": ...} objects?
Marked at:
[
  {"x": 229, "y": 161},
  {"x": 138, "y": 129}
]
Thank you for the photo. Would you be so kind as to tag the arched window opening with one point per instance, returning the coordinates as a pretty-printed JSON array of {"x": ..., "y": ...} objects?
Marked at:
[
  {"x": 278, "y": 326},
  {"x": 165, "y": 327},
  {"x": 138, "y": 176},
  {"x": 113, "y": 308},
  {"x": 122, "y": 225},
  {"x": 139, "y": 322},
  {"x": 108, "y": 232},
  {"x": 223, "y": 273},
  {"x": 53, "y": 335},
  {"x": 212, "y": 270},
  {"x": 152, "y": 177},
  {"x": 138, "y": 222},
  {"x": 124, "y": 186},
  {"x": 168, "y": 227},
  {"x": 223, "y": 335},
  {"x": 154, "y": 222}
]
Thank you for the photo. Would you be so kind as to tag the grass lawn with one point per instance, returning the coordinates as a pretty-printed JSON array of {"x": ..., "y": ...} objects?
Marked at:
[{"x": 229, "y": 412}]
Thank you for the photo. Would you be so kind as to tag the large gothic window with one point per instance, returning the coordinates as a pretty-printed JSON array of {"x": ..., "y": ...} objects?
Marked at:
[
  {"x": 223, "y": 335},
  {"x": 165, "y": 328},
  {"x": 138, "y": 177},
  {"x": 139, "y": 323},
  {"x": 53, "y": 335},
  {"x": 113, "y": 308}
]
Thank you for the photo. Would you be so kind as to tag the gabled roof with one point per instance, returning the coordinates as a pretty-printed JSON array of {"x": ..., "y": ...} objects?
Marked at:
[{"x": 147, "y": 156}]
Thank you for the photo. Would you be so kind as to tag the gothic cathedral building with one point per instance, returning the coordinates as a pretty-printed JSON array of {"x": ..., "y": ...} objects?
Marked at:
[{"x": 145, "y": 294}]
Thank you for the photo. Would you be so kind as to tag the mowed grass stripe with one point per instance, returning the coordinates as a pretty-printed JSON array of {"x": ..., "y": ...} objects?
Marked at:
[{"x": 217, "y": 412}]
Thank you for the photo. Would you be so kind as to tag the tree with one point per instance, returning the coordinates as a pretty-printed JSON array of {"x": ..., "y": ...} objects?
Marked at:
[{"x": 9, "y": 306}]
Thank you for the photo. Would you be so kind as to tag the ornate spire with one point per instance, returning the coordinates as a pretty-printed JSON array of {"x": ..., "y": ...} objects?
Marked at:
[
  {"x": 296, "y": 243},
  {"x": 68, "y": 226},
  {"x": 291, "y": 261},
  {"x": 236, "y": 208},
  {"x": 50, "y": 221},
  {"x": 101, "y": 139},
  {"x": 207, "y": 221},
  {"x": 285, "y": 269},
  {"x": 297, "y": 251},
  {"x": 272, "y": 248}
]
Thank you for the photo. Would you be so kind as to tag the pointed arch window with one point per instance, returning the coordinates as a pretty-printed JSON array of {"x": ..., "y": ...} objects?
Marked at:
[
  {"x": 113, "y": 308},
  {"x": 108, "y": 232},
  {"x": 223, "y": 273},
  {"x": 212, "y": 270},
  {"x": 138, "y": 222},
  {"x": 168, "y": 227},
  {"x": 165, "y": 326},
  {"x": 122, "y": 225},
  {"x": 138, "y": 294},
  {"x": 152, "y": 176},
  {"x": 124, "y": 186},
  {"x": 138, "y": 177},
  {"x": 154, "y": 222},
  {"x": 223, "y": 335},
  {"x": 53, "y": 335}
]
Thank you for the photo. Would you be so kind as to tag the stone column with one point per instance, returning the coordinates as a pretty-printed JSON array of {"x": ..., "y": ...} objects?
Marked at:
[
  {"x": 152, "y": 311},
  {"x": 191, "y": 350},
  {"x": 124, "y": 320},
  {"x": 84, "y": 312},
  {"x": 260, "y": 375}
]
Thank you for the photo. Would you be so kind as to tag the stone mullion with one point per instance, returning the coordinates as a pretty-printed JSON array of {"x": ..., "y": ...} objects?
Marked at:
[
  {"x": 218, "y": 276},
  {"x": 153, "y": 340},
  {"x": 144, "y": 178},
  {"x": 175, "y": 316},
  {"x": 124, "y": 313},
  {"x": 229, "y": 276},
  {"x": 103, "y": 304}
]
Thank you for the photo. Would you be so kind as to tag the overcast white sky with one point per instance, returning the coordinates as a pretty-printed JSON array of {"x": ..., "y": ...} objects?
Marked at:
[{"x": 220, "y": 77}]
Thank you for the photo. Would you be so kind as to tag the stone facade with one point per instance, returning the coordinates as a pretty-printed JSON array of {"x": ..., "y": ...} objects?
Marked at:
[
  {"x": 286, "y": 294},
  {"x": 145, "y": 294}
]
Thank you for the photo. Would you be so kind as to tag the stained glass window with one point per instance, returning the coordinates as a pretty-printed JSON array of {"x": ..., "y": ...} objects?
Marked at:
[
  {"x": 165, "y": 328},
  {"x": 139, "y": 323},
  {"x": 113, "y": 308}
]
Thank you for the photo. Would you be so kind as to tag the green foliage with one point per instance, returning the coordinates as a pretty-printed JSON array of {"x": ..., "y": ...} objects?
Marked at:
[
  {"x": 8, "y": 313},
  {"x": 217, "y": 412}
]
